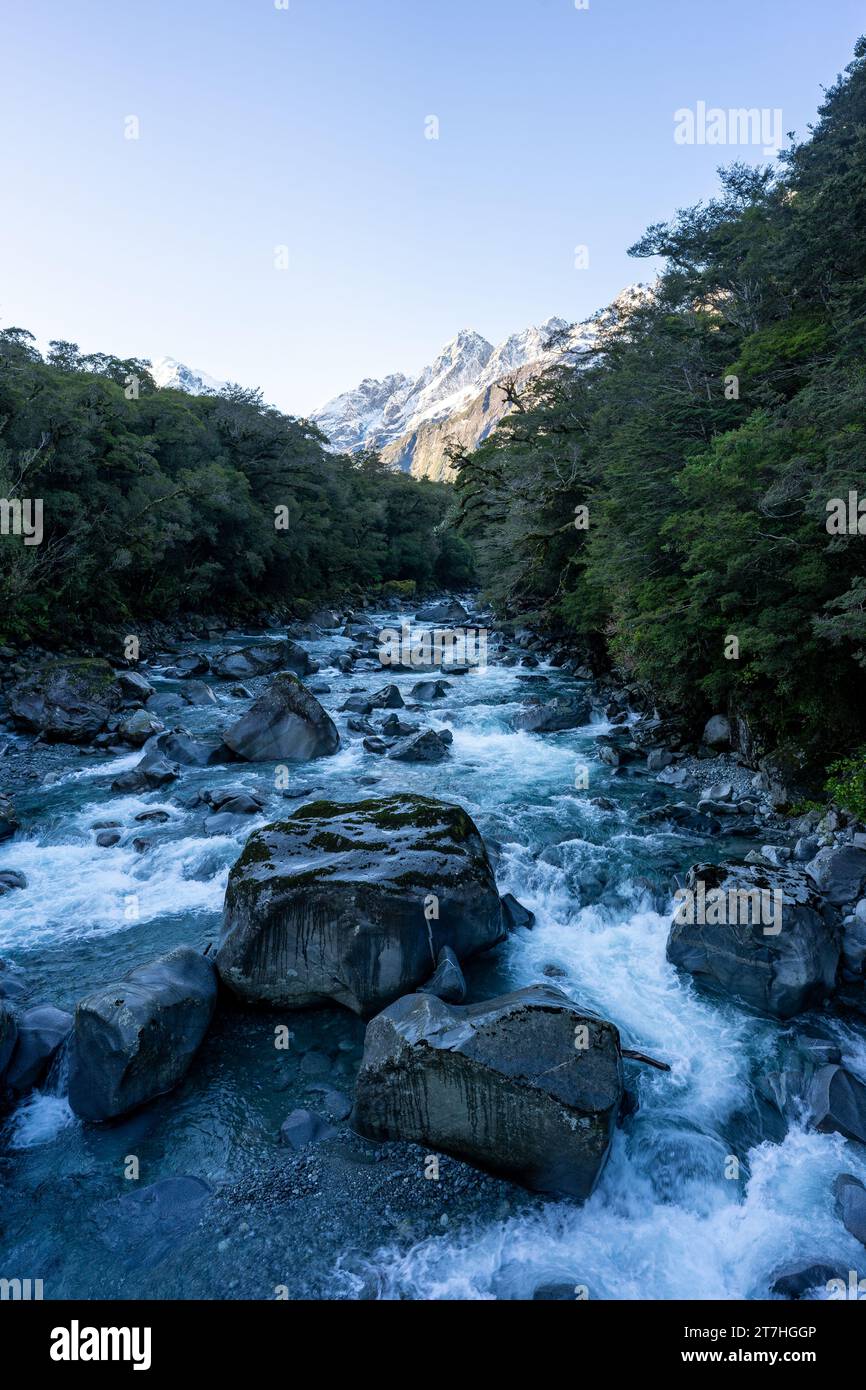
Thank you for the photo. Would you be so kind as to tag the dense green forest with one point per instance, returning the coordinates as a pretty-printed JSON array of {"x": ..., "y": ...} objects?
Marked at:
[
  {"x": 715, "y": 417},
  {"x": 157, "y": 503}
]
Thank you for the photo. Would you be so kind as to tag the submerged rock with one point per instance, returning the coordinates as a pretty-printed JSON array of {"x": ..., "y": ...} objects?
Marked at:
[
  {"x": 527, "y": 1085},
  {"x": 135, "y": 1039},
  {"x": 354, "y": 903},
  {"x": 286, "y": 724},
  {"x": 777, "y": 952},
  {"x": 66, "y": 700}
]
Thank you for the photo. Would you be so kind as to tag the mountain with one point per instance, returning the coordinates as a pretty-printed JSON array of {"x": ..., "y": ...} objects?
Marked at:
[
  {"x": 457, "y": 398},
  {"x": 167, "y": 371}
]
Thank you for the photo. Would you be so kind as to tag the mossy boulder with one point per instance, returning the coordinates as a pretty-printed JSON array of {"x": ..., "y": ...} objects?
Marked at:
[
  {"x": 66, "y": 701},
  {"x": 354, "y": 903}
]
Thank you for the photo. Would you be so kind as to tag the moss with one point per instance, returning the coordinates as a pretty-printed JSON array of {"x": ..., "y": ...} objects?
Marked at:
[{"x": 255, "y": 851}]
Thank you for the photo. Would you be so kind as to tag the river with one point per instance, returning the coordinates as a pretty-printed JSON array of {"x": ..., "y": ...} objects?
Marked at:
[{"x": 344, "y": 1221}]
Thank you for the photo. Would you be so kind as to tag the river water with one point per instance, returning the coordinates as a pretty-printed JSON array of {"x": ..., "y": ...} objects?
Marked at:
[{"x": 666, "y": 1220}]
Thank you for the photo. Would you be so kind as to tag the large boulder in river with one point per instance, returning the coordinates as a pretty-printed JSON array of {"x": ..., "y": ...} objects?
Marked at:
[
  {"x": 354, "y": 903},
  {"x": 135, "y": 1039},
  {"x": 286, "y": 724},
  {"x": 66, "y": 700},
  {"x": 760, "y": 935},
  {"x": 262, "y": 659},
  {"x": 527, "y": 1085},
  {"x": 564, "y": 712}
]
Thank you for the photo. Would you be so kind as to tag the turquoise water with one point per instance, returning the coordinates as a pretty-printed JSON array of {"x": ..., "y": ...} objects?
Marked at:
[{"x": 664, "y": 1222}]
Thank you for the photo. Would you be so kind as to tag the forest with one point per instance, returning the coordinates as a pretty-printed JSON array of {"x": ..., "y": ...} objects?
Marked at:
[
  {"x": 157, "y": 503},
  {"x": 673, "y": 499}
]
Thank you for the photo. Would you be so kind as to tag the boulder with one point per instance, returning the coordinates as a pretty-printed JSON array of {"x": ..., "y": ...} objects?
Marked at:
[
  {"x": 850, "y": 1197},
  {"x": 564, "y": 712},
  {"x": 428, "y": 747},
  {"x": 354, "y": 903},
  {"x": 777, "y": 971},
  {"x": 180, "y": 747},
  {"x": 658, "y": 759},
  {"x": 839, "y": 873},
  {"x": 189, "y": 665},
  {"x": 388, "y": 697},
  {"x": 683, "y": 816},
  {"x": 135, "y": 1039},
  {"x": 134, "y": 686},
  {"x": 286, "y": 724},
  {"x": 137, "y": 728},
  {"x": 10, "y": 880},
  {"x": 447, "y": 981},
  {"x": 42, "y": 1030},
  {"x": 515, "y": 914},
  {"x": 303, "y": 1127},
  {"x": 66, "y": 700},
  {"x": 427, "y": 691},
  {"x": 717, "y": 732},
  {"x": 152, "y": 771},
  {"x": 527, "y": 1085},
  {"x": 199, "y": 693},
  {"x": 446, "y": 611},
  {"x": 798, "y": 1279},
  {"x": 262, "y": 660}
]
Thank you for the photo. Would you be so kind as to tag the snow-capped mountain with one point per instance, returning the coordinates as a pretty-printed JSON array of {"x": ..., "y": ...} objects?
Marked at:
[
  {"x": 167, "y": 371},
  {"x": 408, "y": 421}
]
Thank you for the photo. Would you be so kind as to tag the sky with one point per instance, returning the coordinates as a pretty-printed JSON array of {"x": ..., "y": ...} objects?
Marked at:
[{"x": 284, "y": 218}]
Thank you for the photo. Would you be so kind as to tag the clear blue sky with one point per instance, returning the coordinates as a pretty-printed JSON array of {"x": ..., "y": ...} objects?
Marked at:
[{"x": 305, "y": 127}]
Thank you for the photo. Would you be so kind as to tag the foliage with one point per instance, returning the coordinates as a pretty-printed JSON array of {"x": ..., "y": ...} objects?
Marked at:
[
  {"x": 706, "y": 428},
  {"x": 157, "y": 502}
]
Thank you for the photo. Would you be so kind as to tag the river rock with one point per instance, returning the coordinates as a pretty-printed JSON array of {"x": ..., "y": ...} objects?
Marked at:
[
  {"x": 427, "y": 691},
  {"x": 515, "y": 914},
  {"x": 447, "y": 981},
  {"x": 717, "y": 732},
  {"x": 180, "y": 747},
  {"x": 139, "y": 727},
  {"x": 839, "y": 873},
  {"x": 188, "y": 665},
  {"x": 262, "y": 659},
  {"x": 135, "y": 1039},
  {"x": 354, "y": 903},
  {"x": 42, "y": 1030},
  {"x": 286, "y": 724},
  {"x": 447, "y": 611},
  {"x": 564, "y": 712},
  {"x": 302, "y": 1127},
  {"x": 134, "y": 686},
  {"x": 388, "y": 697},
  {"x": 66, "y": 700},
  {"x": 777, "y": 973},
  {"x": 10, "y": 880},
  {"x": 428, "y": 747},
  {"x": 8, "y": 820},
  {"x": 500, "y": 1084},
  {"x": 152, "y": 771},
  {"x": 850, "y": 1197},
  {"x": 143, "y": 1227}
]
